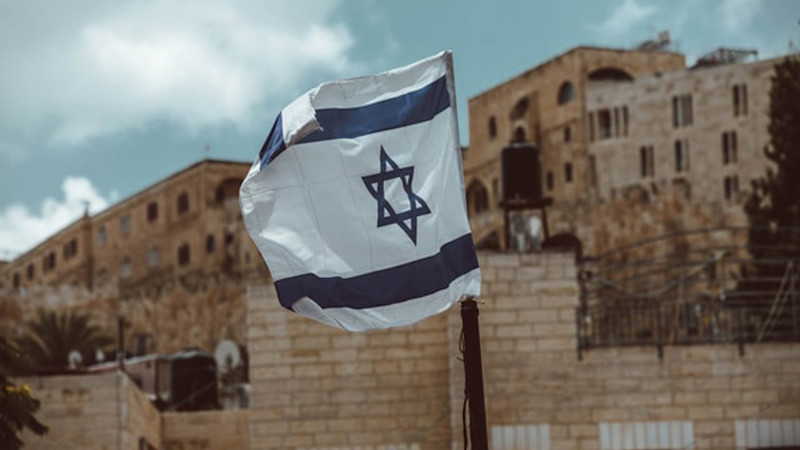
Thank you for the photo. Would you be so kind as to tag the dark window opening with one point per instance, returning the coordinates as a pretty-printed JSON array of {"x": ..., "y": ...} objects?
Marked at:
[
  {"x": 681, "y": 155},
  {"x": 729, "y": 145},
  {"x": 740, "y": 100},
  {"x": 682, "y": 110},
  {"x": 731, "y": 187},
  {"x": 591, "y": 127},
  {"x": 31, "y": 271},
  {"x": 609, "y": 74},
  {"x": 15, "y": 281},
  {"x": 152, "y": 211},
  {"x": 183, "y": 255},
  {"x": 211, "y": 243},
  {"x": 183, "y": 203},
  {"x": 646, "y": 160},
  {"x": 567, "y": 134},
  {"x": 228, "y": 189},
  {"x": 604, "y": 124},
  {"x": 492, "y": 128},
  {"x": 228, "y": 238},
  {"x": 568, "y": 172},
  {"x": 477, "y": 198},
  {"x": 520, "y": 109},
  {"x": 624, "y": 120},
  {"x": 550, "y": 180},
  {"x": 566, "y": 93}
]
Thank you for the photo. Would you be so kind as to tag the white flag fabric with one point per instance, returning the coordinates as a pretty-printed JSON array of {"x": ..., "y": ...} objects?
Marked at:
[{"x": 356, "y": 200}]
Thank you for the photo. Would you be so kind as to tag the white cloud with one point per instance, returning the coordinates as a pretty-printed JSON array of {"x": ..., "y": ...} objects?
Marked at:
[
  {"x": 117, "y": 66},
  {"x": 21, "y": 229},
  {"x": 622, "y": 20}
]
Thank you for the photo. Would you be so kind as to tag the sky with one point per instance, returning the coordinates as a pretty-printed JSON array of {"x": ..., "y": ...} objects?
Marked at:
[{"x": 99, "y": 100}]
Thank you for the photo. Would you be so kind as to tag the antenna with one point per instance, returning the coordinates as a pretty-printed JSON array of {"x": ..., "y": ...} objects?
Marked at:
[
  {"x": 75, "y": 359},
  {"x": 227, "y": 355}
]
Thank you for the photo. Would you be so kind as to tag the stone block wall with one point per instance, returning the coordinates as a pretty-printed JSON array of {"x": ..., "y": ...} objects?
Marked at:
[
  {"x": 93, "y": 412},
  {"x": 226, "y": 429},
  {"x": 318, "y": 387}
]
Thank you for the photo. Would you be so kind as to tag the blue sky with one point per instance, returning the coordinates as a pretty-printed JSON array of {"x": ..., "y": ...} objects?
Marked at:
[{"x": 100, "y": 99}]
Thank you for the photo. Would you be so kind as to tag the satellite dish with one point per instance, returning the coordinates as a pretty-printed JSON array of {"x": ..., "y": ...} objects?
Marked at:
[
  {"x": 227, "y": 355},
  {"x": 75, "y": 359}
]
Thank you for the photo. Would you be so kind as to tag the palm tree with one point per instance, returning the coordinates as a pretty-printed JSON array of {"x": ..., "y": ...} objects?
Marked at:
[
  {"x": 17, "y": 406},
  {"x": 52, "y": 337}
]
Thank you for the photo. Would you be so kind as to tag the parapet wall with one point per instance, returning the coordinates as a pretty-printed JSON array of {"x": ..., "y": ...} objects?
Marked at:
[{"x": 317, "y": 387}]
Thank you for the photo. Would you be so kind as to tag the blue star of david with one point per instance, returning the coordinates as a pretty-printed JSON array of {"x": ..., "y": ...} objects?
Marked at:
[{"x": 406, "y": 220}]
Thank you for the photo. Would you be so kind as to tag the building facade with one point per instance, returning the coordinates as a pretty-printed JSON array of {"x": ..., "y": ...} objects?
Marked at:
[
  {"x": 632, "y": 143},
  {"x": 170, "y": 260}
]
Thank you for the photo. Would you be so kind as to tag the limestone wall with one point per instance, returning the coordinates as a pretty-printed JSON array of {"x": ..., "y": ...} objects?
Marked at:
[
  {"x": 208, "y": 430},
  {"x": 317, "y": 387},
  {"x": 93, "y": 412}
]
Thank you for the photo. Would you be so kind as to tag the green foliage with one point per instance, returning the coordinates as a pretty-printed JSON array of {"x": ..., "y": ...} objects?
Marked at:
[
  {"x": 773, "y": 205},
  {"x": 53, "y": 336},
  {"x": 17, "y": 405}
]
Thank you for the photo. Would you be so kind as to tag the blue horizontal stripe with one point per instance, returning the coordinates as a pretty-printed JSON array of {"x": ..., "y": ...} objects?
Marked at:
[
  {"x": 384, "y": 287},
  {"x": 274, "y": 144},
  {"x": 408, "y": 109}
]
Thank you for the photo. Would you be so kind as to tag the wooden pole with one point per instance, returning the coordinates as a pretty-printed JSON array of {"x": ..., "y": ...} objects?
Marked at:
[{"x": 473, "y": 371}]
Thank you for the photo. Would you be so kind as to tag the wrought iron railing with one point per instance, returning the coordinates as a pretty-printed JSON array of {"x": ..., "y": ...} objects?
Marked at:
[{"x": 700, "y": 287}]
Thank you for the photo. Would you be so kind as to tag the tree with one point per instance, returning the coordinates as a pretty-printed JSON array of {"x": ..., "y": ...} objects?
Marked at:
[
  {"x": 773, "y": 205},
  {"x": 53, "y": 336},
  {"x": 17, "y": 406}
]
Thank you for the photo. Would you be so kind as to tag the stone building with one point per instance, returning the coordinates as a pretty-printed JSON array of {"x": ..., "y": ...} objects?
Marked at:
[
  {"x": 170, "y": 259},
  {"x": 633, "y": 144}
]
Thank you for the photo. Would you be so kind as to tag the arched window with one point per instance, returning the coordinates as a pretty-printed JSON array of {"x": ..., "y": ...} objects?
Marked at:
[
  {"x": 211, "y": 243},
  {"x": 566, "y": 93},
  {"x": 520, "y": 109},
  {"x": 477, "y": 197},
  {"x": 492, "y": 127}
]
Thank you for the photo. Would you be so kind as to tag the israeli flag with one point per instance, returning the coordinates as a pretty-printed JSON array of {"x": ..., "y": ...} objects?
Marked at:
[{"x": 356, "y": 200}]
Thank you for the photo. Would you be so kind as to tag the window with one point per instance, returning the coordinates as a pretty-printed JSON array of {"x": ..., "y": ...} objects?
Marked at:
[
  {"x": 492, "y": 127},
  {"x": 682, "y": 110},
  {"x": 604, "y": 124},
  {"x": 681, "y": 155},
  {"x": 593, "y": 170},
  {"x": 624, "y": 120},
  {"x": 15, "y": 281},
  {"x": 739, "y": 100},
  {"x": 31, "y": 271},
  {"x": 125, "y": 270},
  {"x": 183, "y": 203},
  {"x": 568, "y": 172},
  {"x": 729, "y": 147},
  {"x": 550, "y": 181},
  {"x": 617, "y": 128},
  {"x": 183, "y": 254},
  {"x": 70, "y": 249},
  {"x": 477, "y": 198},
  {"x": 153, "y": 257},
  {"x": 49, "y": 262},
  {"x": 125, "y": 225},
  {"x": 520, "y": 109},
  {"x": 567, "y": 134},
  {"x": 101, "y": 236},
  {"x": 566, "y": 93},
  {"x": 731, "y": 187},
  {"x": 646, "y": 159},
  {"x": 211, "y": 244},
  {"x": 152, "y": 211}
]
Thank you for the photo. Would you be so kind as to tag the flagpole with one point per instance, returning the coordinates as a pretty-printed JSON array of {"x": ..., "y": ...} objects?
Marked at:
[{"x": 473, "y": 371}]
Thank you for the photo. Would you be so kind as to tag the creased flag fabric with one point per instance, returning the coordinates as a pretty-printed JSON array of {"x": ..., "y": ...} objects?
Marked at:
[{"x": 356, "y": 200}]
